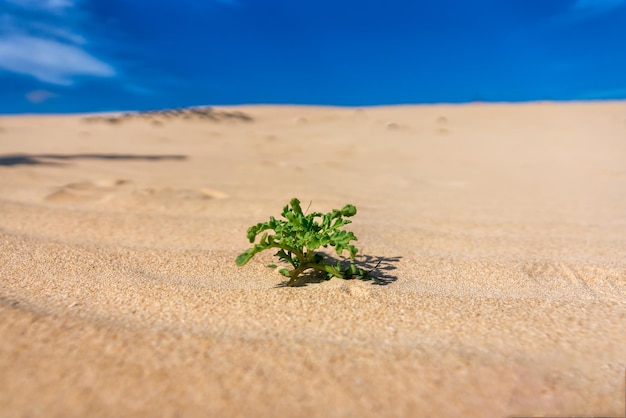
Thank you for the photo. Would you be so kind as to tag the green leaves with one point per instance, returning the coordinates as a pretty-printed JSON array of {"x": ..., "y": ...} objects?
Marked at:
[
  {"x": 298, "y": 235},
  {"x": 348, "y": 210},
  {"x": 244, "y": 257}
]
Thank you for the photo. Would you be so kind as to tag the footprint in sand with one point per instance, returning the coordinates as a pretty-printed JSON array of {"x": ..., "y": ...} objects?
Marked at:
[
  {"x": 442, "y": 121},
  {"x": 171, "y": 199},
  {"x": 122, "y": 194},
  {"x": 392, "y": 126},
  {"x": 587, "y": 281},
  {"x": 356, "y": 290},
  {"x": 86, "y": 191}
]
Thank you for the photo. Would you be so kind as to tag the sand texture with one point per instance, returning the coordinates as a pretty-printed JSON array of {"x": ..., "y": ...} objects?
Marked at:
[{"x": 500, "y": 229}]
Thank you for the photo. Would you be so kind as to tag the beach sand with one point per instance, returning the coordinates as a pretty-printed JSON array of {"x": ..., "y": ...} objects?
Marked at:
[{"x": 500, "y": 228}]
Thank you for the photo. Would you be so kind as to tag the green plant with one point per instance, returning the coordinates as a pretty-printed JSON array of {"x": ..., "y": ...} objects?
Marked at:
[{"x": 299, "y": 235}]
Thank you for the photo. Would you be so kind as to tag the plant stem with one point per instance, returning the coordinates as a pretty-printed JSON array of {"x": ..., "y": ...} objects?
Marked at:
[
  {"x": 295, "y": 273},
  {"x": 319, "y": 267}
]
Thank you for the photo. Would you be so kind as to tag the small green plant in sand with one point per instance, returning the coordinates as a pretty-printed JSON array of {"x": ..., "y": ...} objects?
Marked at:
[{"x": 299, "y": 235}]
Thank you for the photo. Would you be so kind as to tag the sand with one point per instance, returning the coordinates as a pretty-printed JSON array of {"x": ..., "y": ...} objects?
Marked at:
[{"x": 500, "y": 228}]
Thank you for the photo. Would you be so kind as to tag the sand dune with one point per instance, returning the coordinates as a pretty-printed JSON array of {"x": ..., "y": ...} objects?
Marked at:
[{"x": 500, "y": 229}]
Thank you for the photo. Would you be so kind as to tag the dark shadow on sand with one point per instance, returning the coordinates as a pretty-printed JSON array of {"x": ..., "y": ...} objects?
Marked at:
[
  {"x": 379, "y": 267},
  {"x": 60, "y": 159},
  {"x": 198, "y": 113}
]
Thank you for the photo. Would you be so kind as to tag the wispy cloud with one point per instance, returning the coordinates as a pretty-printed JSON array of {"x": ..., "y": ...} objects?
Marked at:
[
  {"x": 49, "y": 61},
  {"x": 38, "y": 38},
  {"x": 54, "y": 6},
  {"x": 592, "y": 8},
  {"x": 39, "y": 96}
]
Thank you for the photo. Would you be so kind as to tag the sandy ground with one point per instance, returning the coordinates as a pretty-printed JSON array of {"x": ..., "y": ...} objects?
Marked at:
[{"x": 501, "y": 232}]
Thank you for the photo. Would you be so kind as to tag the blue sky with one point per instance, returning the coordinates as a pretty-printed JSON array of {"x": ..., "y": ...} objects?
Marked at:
[{"x": 100, "y": 55}]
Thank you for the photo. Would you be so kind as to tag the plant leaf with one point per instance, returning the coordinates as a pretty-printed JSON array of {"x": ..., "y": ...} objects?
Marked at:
[
  {"x": 348, "y": 210},
  {"x": 243, "y": 258}
]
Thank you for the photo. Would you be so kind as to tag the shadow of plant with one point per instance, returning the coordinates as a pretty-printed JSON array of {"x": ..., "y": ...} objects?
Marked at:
[{"x": 379, "y": 268}]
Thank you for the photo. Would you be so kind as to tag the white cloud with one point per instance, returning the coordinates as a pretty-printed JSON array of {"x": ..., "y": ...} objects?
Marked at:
[
  {"x": 49, "y": 61},
  {"x": 11, "y": 25},
  {"x": 53, "y": 6},
  {"x": 39, "y": 38},
  {"x": 39, "y": 96},
  {"x": 61, "y": 34}
]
